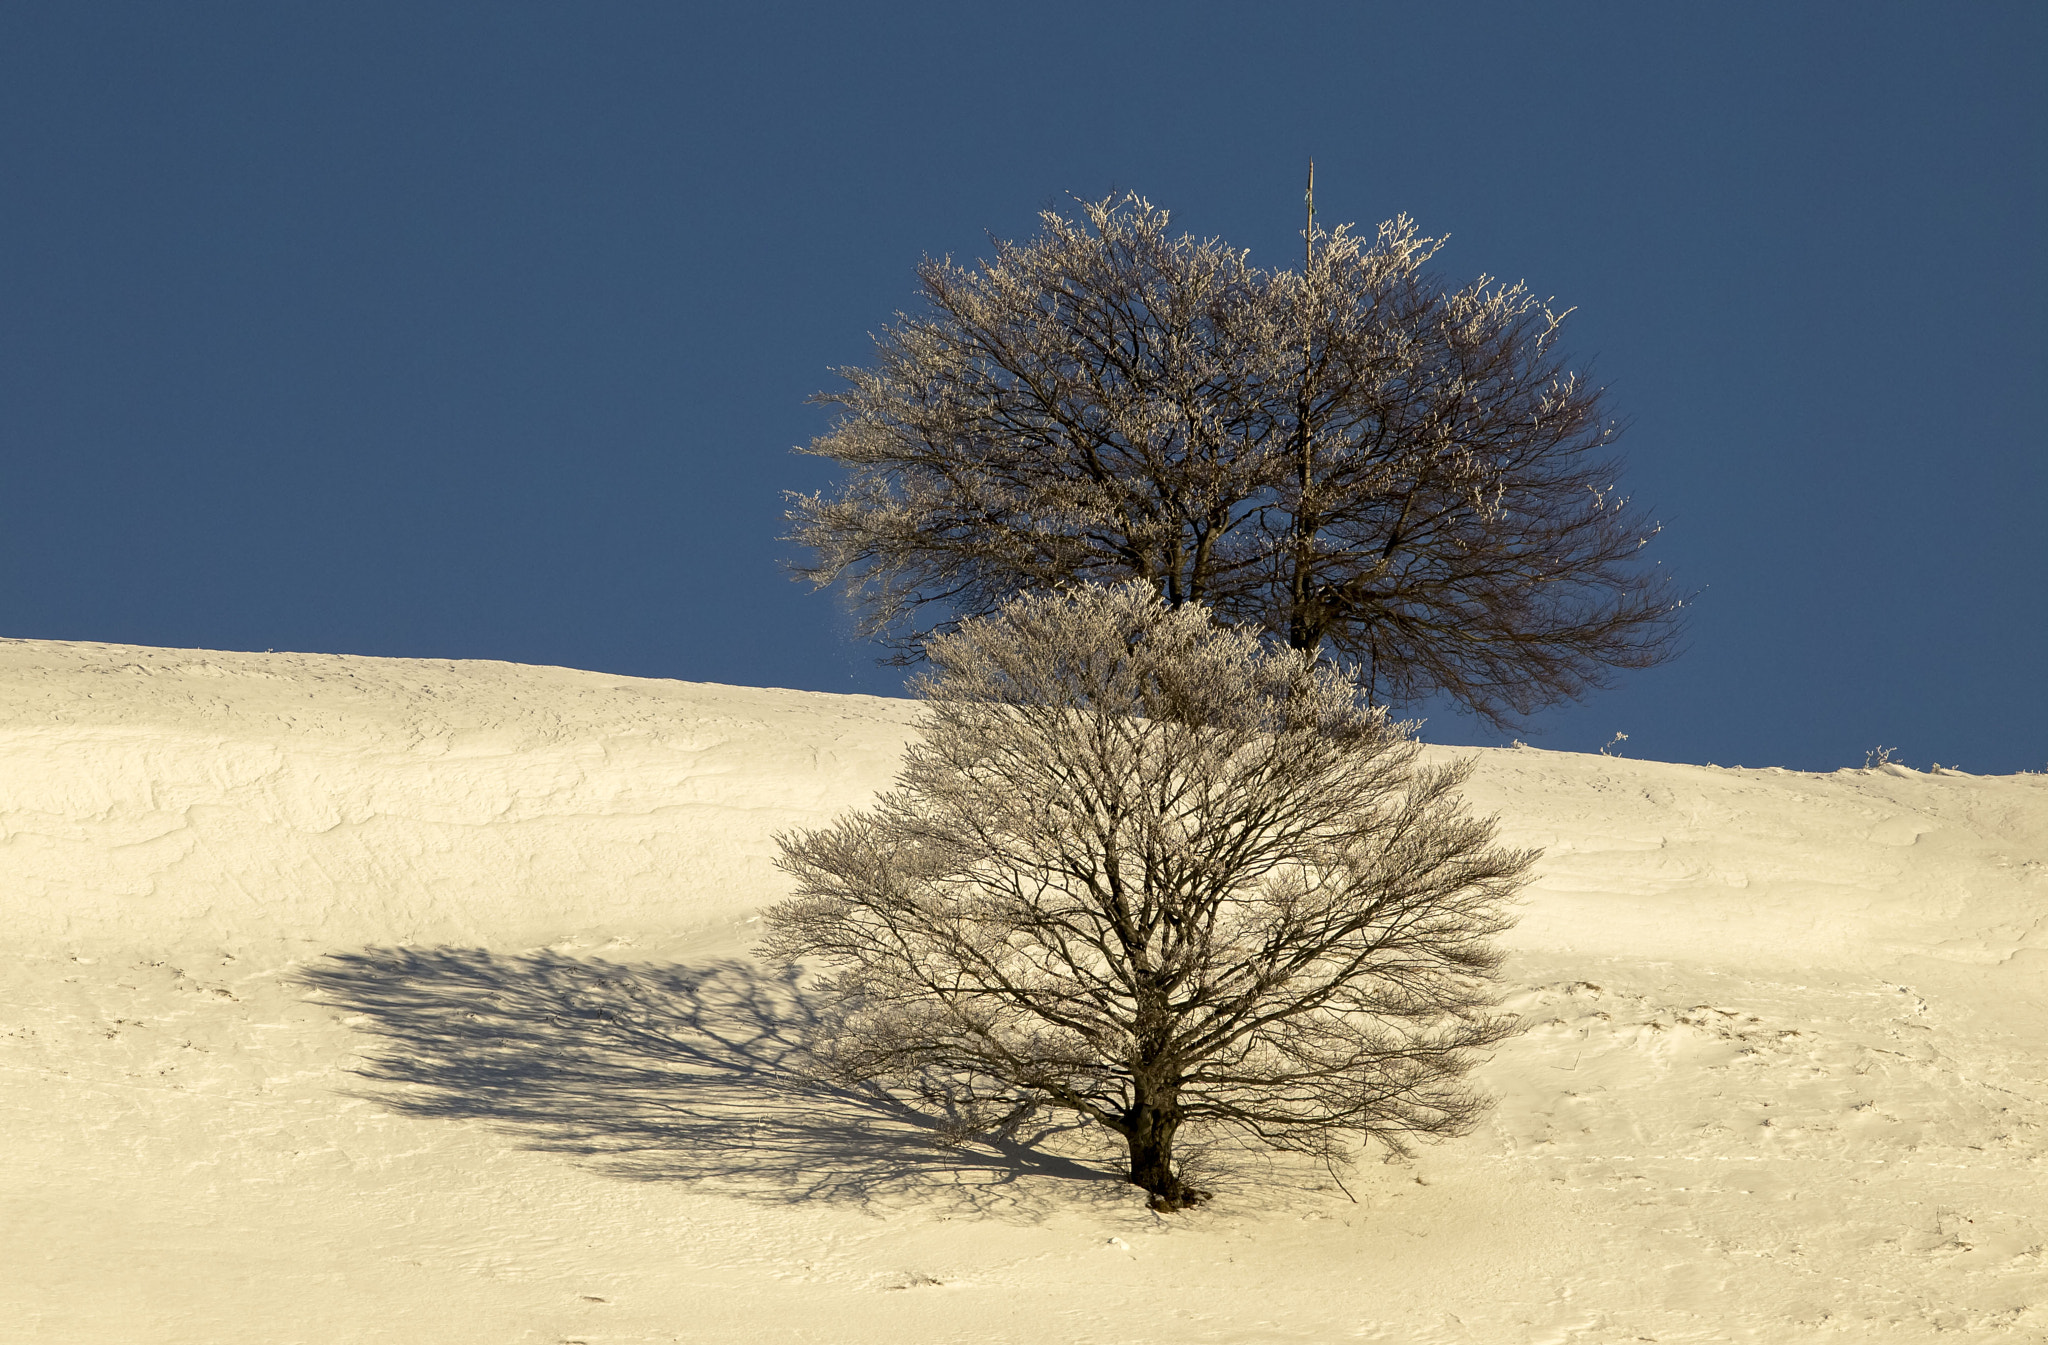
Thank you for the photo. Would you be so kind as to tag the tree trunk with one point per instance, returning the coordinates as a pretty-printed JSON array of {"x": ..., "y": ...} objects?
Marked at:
[{"x": 1149, "y": 1128}]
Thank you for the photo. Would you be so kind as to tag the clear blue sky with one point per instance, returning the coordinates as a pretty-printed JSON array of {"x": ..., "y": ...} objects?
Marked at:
[{"x": 483, "y": 330}]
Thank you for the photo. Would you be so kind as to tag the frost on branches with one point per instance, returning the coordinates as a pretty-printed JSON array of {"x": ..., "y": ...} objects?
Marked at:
[
  {"x": 1160, "y": 874},
  {"x": 1353, "y": 459}
]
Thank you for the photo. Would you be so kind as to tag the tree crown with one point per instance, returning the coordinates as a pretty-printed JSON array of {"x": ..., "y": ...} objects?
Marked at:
[{"x": 1356, "y": 459}]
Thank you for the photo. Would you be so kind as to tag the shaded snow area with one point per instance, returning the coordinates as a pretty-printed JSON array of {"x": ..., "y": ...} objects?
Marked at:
[{"x": 359, "y": 999}]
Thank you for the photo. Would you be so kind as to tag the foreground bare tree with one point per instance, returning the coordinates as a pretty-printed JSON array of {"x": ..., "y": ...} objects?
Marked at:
[
  {"x": 1353, "y": 459},
  {"x": 1155, "y": 872}
]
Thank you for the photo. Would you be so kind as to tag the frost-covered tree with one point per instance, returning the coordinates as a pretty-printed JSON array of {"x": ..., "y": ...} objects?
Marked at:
[
  {"x": 1354, "y": 459},
  {"x": 1161, "y": 874}
]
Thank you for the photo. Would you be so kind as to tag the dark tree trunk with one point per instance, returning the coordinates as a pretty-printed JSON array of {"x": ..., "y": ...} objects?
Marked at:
[{"x": 1150, "y": 1125}]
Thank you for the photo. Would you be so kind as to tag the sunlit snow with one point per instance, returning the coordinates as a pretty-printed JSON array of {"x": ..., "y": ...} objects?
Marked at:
[{"x": 363, "y": 999}]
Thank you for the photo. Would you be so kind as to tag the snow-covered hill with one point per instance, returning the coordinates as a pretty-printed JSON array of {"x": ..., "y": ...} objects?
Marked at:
[{"x": 368, "y": 999}]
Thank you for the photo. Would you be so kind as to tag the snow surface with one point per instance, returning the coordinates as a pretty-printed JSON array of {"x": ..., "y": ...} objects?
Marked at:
[{"x": 364, "y": 999}]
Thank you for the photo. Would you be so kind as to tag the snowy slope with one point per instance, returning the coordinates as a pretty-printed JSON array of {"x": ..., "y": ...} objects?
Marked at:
[{"x": 377, "y": 1000}]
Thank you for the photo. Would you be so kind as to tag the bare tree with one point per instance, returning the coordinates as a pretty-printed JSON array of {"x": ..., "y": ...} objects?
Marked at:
[
  {"x": 1150, "y": 870},
  {"x": 1353, "y": 459}
]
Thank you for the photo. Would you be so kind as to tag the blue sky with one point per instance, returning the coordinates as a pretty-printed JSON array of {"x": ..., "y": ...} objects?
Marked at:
[{"x": 483, "y": 330}]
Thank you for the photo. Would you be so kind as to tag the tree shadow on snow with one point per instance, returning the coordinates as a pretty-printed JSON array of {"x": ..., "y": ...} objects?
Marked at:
[{"x": 659, "y": 1072}]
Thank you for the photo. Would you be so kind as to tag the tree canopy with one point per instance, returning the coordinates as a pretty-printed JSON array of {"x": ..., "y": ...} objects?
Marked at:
[{"x": 1356, "y": 459}]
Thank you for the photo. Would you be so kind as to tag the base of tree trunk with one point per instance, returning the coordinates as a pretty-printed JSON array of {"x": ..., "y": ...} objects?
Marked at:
[{"x": 1175, "y": 1197}]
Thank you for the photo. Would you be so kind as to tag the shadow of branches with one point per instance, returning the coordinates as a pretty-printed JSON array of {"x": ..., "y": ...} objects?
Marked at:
[{"x": 664, "y": 1072}]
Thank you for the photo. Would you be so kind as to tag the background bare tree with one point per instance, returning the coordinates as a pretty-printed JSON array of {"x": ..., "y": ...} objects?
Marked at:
[
  {"x": 1353, "y": 459},
  {"x": 1150, "y": 870}
]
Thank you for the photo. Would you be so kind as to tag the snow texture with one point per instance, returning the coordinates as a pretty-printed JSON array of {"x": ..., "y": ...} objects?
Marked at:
[{"x": 366, "y": 999}]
